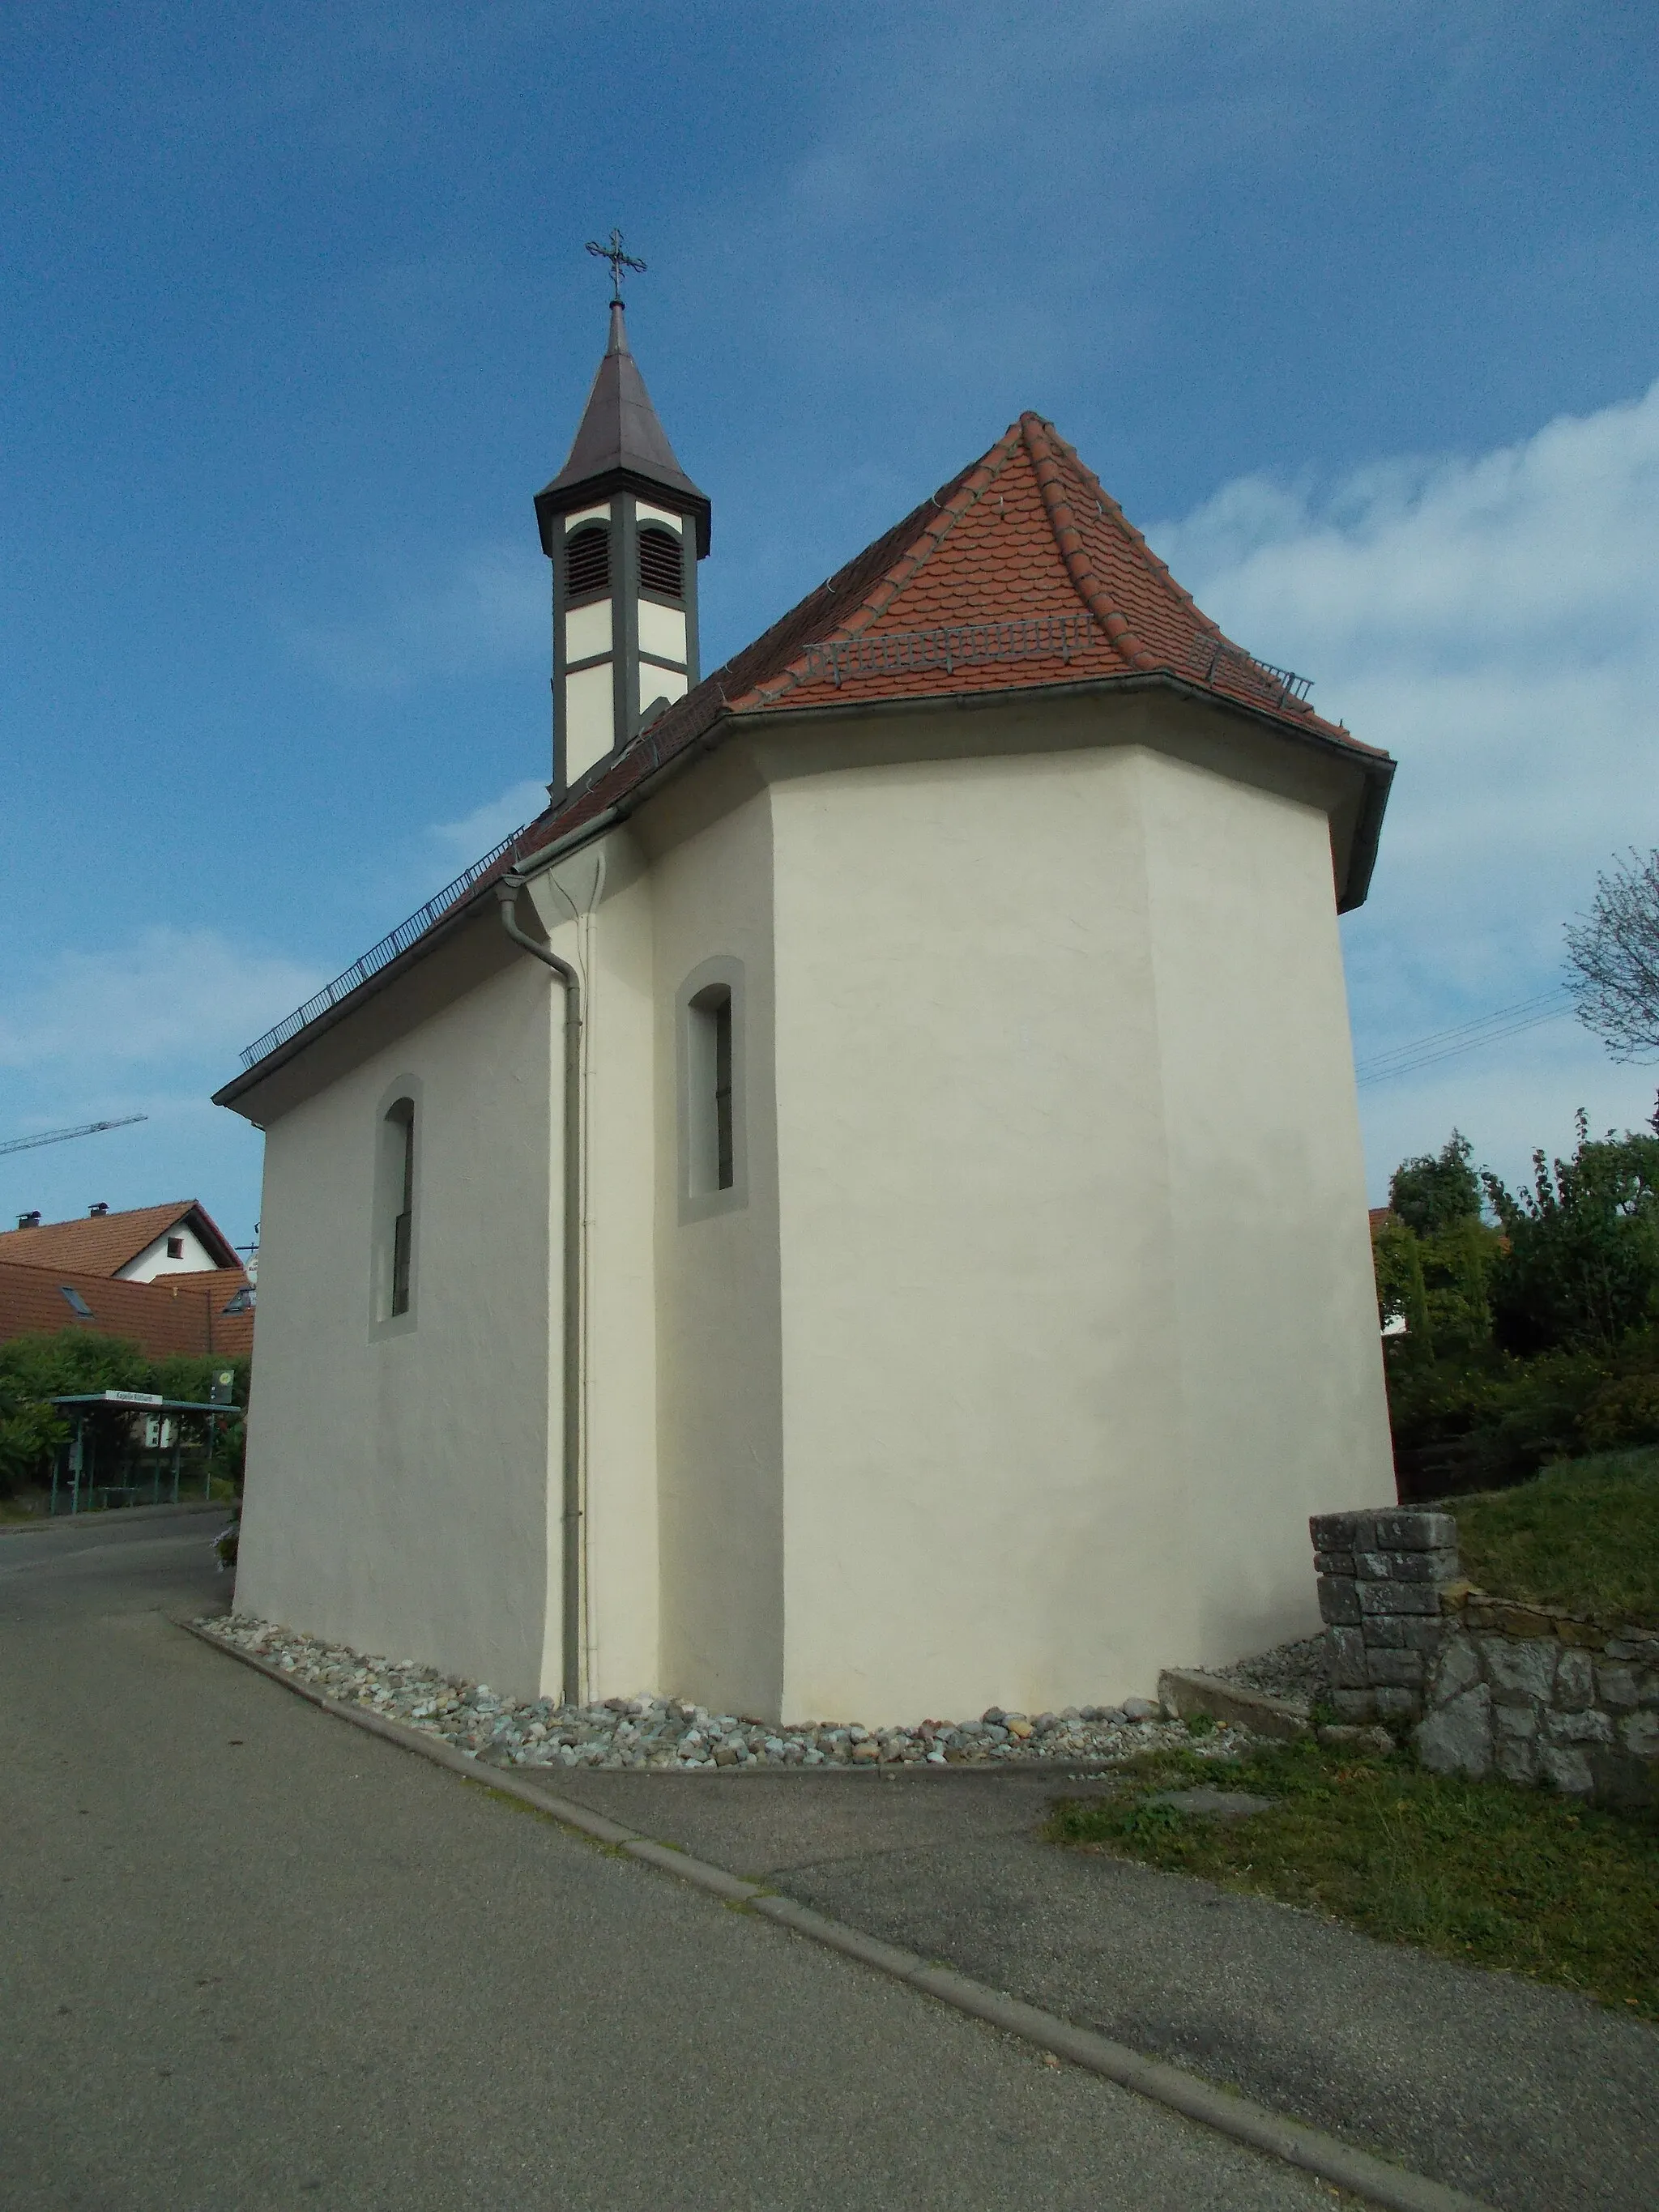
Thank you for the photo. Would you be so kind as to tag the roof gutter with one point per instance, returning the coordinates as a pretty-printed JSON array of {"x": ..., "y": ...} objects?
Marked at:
[
  {"x": 240, "y": 1086},
  {"x": 1377, "y": 769}
]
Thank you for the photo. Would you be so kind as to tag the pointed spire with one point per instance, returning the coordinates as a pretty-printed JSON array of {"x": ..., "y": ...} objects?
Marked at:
[{"x": 620, "y": 441}]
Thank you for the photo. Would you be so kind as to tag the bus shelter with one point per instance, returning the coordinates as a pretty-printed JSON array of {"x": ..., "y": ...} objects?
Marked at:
[{"x": 127, "y": 1448}]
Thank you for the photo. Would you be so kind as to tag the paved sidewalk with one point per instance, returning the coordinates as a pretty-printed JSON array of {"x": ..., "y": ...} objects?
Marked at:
[{"x": 1530, "y": 2098}]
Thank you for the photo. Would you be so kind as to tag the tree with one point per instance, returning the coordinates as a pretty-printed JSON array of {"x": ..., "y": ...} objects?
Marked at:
[
  {"x": 1430, "y": 1193},
  {"x": 1612, "y": 959},
  {"x": 30, "y": 1430},
  {"x": 1582, "y": 1266}
]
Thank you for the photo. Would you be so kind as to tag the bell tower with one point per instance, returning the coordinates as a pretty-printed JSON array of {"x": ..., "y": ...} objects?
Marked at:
[{"x": 624, "y": 528}]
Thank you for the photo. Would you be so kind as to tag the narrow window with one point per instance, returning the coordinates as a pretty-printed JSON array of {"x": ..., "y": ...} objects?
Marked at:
[
  {"x": 391, "y": 1296},
  {"x": 588, "y": 561},
  {"x": 659, "y": 562},
  {"x": 710, "y": 1103},
  {"x": 721, "y": 1016},
  {"x": 402, "y": 1117},
  {"x": 175, "y": 1248}
]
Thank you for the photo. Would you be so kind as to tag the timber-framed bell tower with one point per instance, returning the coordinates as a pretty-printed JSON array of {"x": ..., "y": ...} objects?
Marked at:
[{"x": 624, "y": 528}]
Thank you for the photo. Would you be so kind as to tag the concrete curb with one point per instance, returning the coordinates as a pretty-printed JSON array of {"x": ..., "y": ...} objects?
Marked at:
[
  {"x": 1183, "y": 1691},
  {"x": 1361, "y": 2172},
  {"x": 118, "y": 1516}
]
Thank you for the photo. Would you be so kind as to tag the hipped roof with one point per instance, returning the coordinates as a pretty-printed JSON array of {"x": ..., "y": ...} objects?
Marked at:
[{"x": 1026, "y": 533}]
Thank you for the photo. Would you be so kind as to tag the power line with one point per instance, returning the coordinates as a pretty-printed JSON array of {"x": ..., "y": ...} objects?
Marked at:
[
  {"x": 58, "y": 1136},
  {"x": 1486, "y": 1029}
]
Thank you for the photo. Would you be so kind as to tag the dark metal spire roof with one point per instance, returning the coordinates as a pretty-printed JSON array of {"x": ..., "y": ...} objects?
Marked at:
[{"x": 620, "y": 442}]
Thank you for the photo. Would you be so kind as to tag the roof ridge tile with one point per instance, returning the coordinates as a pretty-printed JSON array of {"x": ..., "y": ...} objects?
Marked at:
[{"x": 1081, "y": 569}]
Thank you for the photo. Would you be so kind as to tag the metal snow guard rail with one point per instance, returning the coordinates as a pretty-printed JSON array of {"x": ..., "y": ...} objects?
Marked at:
[
  {"x": 958, "y": 645},
  {"x": 378, "y": 956},
  {"x": 1030, "y": 637},
  {"x": 1290, "y": 686}
]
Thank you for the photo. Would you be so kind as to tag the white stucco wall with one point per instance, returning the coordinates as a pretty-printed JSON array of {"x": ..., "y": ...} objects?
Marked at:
[
  {"x": 721, "y": 1531},
  {"x": 1040, "y": 1322},
  {"x": 1039, "y": 1437},
  {"x": 1281, "y": 1368},
  {"x": 397, "y": 1481},
  {"x": 155, "y": 1259}
]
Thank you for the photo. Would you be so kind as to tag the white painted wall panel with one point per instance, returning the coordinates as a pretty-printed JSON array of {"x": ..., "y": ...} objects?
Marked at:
[
  {"x": 662, "y": 630},
  {"x": 589, "y": 719},
  {"x": 587, "y": 630}
]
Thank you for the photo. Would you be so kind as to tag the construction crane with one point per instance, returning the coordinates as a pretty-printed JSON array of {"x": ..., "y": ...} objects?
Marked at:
[{"x": 58, "y": 1136}]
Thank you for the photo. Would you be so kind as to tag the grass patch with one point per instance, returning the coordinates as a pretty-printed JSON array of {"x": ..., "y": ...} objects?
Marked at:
[
  {"x": 1583, "y": 1535},
  {"x": 1481, "y": 1872}
]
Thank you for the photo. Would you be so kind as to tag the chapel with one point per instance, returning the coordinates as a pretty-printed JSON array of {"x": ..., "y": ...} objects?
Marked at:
[{"x": 856, "y": 1211}]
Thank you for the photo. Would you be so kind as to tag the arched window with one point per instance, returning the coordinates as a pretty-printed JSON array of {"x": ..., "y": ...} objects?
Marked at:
[
  {"x": 659, "y": 562},
  {"x": 394, "y": 1208},
  {"x": 713, "y": 1173},
  {"x": 588, "y": 561}
]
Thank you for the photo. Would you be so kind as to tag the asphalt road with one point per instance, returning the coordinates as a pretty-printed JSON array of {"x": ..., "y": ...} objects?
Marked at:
[{"x": 251, "y": 1958}]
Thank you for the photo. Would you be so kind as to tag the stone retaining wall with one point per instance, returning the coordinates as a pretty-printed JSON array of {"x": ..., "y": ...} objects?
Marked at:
[
  {"x": 1485, "y": 1685},
  {"x": 1380, "y": 1578}
]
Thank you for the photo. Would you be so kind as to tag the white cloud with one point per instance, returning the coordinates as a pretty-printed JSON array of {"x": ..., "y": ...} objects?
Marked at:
[
  {"x": 1494, "y": 622},
  {"x": 475, "y": 834},
  {"x": 164, "y": 997}
]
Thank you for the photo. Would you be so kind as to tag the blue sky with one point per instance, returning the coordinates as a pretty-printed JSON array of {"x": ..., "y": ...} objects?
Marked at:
[{"x": 1355, "y": 307}]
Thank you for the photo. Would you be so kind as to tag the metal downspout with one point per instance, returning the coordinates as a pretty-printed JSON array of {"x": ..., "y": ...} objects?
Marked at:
[{"x": 570, "y": 1557}]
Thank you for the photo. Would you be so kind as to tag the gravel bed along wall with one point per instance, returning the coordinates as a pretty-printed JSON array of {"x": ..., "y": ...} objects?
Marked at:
[
  {"x": 671, "y": 1733},
  {"x": 1299, "y": 1672}
]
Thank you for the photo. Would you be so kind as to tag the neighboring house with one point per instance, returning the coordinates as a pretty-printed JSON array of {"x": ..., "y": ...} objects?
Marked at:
[
  {"x": 859, "y": 1212},
  {"x": 165, "y": 1277},
  {"x": 179, "y": 1239},
  {"x": 211, "y": 1314}
]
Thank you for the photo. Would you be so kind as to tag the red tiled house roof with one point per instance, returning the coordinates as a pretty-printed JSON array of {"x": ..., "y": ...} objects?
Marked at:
[
  {"x": 1024, "y": 534},
  {"x": 104, "y": 1243},
  {"x": 175, "y": 1314}
]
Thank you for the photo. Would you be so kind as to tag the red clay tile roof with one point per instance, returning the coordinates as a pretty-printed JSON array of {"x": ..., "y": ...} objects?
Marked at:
[
  {"x": 175, "y": 1314},
  {"x": 1026, "y": 532},
  {"x": 102, "y": 1244}
]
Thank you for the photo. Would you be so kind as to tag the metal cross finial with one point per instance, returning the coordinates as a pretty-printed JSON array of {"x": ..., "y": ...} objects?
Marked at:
[{"x": 613, "y": 253}]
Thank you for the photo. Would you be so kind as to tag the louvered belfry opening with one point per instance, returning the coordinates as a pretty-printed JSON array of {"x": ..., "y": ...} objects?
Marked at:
[
  {"x": 588, "y": 561},
  {"x": 660, "y": 563}
]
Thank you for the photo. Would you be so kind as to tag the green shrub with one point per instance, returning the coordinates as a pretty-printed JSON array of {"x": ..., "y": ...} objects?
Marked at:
[
  {"x": 1581, "y": 1262},
  {"x": 75, "y": 1362}
]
